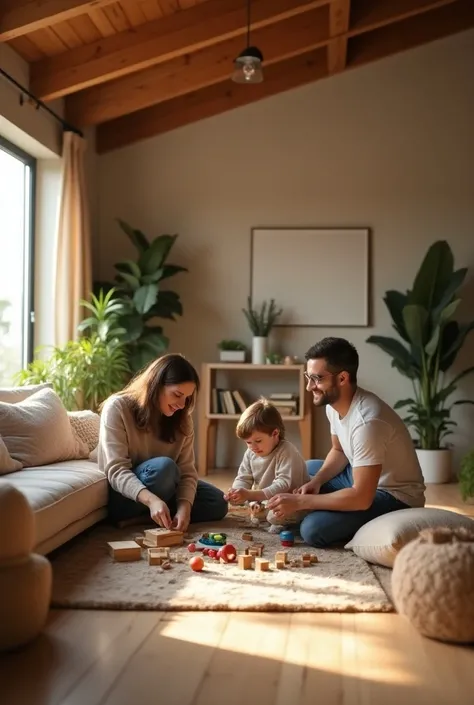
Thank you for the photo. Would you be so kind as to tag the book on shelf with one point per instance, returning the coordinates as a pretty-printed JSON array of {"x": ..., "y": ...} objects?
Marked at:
[{"x": 226, "y": 401}]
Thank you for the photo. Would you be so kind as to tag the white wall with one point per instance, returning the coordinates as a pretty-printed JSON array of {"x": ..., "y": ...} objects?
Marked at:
[{"x": 390, "y": 146}]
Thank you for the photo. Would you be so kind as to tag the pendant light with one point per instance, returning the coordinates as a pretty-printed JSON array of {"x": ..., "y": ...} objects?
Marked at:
[{"x": 248, "y": 64}]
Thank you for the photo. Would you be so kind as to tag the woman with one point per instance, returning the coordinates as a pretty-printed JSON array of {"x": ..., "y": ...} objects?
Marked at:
[{"x": 146, "y": 449}]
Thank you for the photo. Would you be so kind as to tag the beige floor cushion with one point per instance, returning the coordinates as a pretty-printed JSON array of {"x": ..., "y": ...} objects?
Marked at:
[{"x": 380, "y": 540}]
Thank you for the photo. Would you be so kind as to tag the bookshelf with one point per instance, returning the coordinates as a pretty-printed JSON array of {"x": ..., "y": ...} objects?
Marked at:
[{"x": 250, "y": 375}]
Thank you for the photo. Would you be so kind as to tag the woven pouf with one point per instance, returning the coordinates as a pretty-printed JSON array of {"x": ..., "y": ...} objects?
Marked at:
[
  {"x": 433, "y": 584},
  {"x": 25, "y": 577}
]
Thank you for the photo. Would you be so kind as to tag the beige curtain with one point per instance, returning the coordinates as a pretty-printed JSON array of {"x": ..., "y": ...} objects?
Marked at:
[{"x": 73, "y": 280}]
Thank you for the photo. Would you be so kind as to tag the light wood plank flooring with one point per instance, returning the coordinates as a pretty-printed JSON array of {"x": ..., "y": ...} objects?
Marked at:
[{"x": 217, "y": 658}]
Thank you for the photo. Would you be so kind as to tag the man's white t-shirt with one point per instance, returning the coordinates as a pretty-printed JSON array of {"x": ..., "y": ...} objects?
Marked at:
[{"x": 372, "y": 433}]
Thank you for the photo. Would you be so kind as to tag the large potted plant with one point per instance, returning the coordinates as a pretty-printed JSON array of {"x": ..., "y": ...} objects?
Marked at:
[
  {"x": 261, "y": 321},
  {"x": 138, "y": 286},
  {"x": 423, "y": 317}
]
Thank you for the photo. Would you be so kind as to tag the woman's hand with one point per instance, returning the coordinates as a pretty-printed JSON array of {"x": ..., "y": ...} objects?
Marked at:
[
  {"x": 160, "y": 513},
  {"x": 182, "y": 517}
]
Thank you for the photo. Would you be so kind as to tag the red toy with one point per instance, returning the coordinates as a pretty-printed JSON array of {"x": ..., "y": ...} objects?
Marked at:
[
  {"x": 197, "y": 563},
  {"x": 228, "y": 553}
]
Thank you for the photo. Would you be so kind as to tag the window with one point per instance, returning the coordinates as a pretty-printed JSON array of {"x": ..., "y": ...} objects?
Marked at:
[{"x": 17, "y": 188}]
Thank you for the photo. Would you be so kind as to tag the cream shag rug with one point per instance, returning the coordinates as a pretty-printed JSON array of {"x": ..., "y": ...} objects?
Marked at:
[{"x": 86, "y": 577}]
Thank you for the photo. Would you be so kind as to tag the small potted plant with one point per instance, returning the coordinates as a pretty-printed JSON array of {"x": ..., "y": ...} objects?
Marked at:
[
  {"x": 466, "y": 478},
  {"x": 261, "y": 322},
  {"x": 232, "y": 351}
]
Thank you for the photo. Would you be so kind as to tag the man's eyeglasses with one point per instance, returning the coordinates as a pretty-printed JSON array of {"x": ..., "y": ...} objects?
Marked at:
[{"x": 316, "y": 379}]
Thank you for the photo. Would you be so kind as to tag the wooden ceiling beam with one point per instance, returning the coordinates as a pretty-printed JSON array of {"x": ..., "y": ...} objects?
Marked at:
[
  {"x": 156, "y": 42},
  {"x": 203, "y": 68},
  {"x": 19, "y": 17},
  {"x": 339, "y": 21},
  {"x": 210, "y": 101},
  {"x": 384, "y": 41},
  {"x": 447, "y": 19}
]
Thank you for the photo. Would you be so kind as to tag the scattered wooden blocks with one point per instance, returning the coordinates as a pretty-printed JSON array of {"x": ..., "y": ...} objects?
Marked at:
[
  {"x": 247, "y": 536},
  {"x": 262, "y": 565},
  {"x": 258, "y": 547},
  {"x": 140, "y": 540},
  {"x": 158, "y": 556},
  {"x": 280, "y": 565},
  {"x": 306, "y": 557},
  {"x": 313, "y": 558},
  {"x": 123, "y": 551},
  {"x": 306, "y": 562},
  {"x": 281, "y": 556},
  {"x": 245, "y": 562},
  {"x": 163, "y": 537},
  {"x": 244, "y": 552}
]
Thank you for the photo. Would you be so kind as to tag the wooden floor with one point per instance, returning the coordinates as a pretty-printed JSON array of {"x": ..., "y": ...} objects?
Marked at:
[{"x": 212, "y": 658}]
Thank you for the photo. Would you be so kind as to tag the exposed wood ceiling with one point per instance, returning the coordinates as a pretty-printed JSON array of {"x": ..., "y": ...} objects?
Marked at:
[{"x": 137, "y": 68}]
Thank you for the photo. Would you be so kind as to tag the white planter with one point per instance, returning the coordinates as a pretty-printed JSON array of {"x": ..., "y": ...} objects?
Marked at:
[
  {"x": 435, "y": 465},
  {"x": 232, "y": 355},
  {"x": 259, "y": 350}
]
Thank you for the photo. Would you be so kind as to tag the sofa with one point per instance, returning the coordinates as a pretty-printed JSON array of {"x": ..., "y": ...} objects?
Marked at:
[{"x": 68, "y": 492}]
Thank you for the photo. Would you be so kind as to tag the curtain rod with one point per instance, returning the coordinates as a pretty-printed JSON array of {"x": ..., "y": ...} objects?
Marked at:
[{"x": 40, "y": 104}]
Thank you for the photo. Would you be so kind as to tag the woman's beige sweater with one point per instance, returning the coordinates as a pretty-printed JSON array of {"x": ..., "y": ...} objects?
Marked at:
[{"x": 122, "y": 447}]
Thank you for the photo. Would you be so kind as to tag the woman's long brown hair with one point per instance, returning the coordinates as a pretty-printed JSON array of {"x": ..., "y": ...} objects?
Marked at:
[{"x": 143, "y": 393}]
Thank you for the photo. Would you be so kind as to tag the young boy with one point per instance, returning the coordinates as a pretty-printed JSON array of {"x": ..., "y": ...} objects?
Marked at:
[{"x": 271, "y": 463}]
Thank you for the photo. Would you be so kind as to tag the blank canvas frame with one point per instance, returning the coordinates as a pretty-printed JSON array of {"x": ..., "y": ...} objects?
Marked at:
[{"x": 318, "y": 276}]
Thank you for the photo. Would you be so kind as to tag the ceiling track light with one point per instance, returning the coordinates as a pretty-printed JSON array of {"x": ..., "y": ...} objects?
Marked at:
[{"x": 248, "y": 64}]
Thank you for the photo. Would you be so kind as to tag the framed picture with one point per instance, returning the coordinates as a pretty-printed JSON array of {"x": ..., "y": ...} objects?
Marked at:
[{"x": 319, "y": 276}]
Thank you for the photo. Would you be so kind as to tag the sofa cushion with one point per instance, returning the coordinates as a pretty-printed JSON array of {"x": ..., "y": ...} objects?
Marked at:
[
  {"x": 7, "y": 464},
  {"x": 86, "y": 426},
  {"x": 36, "y": 431},
  {"x": 12, "y": 395},
  {"x": 61, "y": 493},
  {"x": 380, "y": 540}
]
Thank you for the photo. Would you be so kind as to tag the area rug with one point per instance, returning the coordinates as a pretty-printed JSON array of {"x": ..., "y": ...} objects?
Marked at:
[{"x": 86, "y": 577}]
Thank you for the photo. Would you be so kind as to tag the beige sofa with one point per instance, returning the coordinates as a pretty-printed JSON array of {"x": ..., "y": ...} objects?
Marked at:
[{"x": 66, "y": 497}]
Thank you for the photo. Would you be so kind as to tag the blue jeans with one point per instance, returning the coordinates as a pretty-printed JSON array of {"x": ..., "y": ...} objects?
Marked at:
[
  {"x": 323, "y": 528},
  {"x": 161, "y": 476}
]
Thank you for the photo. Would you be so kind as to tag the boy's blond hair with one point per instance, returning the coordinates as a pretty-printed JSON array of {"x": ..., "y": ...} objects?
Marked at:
[{"x": 261, "y": 416}]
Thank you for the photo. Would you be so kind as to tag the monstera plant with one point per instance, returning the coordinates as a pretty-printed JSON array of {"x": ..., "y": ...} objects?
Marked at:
[
  {"x": 431, "y": 339},
  {"x": 139, "y": 289}
]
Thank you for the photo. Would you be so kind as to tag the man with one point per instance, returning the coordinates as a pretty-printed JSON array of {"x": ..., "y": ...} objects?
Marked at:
[{"x": 372, "y": 467}]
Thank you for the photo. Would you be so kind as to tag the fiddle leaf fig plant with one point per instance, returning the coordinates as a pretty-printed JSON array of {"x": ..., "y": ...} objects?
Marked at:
[
  {"x": 139, "y": 290},
  {"x": 423, "y": 318}
]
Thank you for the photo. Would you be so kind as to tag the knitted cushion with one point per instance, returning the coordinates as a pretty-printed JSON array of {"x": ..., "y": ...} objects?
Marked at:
[
  {"x": 86, "y": 425},
  {"x": 433, "y": 584},
  {"x": 381, "y": 539}
]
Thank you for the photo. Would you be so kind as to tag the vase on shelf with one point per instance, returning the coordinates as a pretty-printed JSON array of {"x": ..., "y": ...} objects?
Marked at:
[{"x": 259, "y": 350}]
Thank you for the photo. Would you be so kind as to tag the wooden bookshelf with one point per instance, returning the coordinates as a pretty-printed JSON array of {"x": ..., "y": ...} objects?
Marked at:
[{"x": 208, "y": 421}]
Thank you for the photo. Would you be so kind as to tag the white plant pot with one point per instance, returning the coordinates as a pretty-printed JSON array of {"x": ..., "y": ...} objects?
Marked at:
[
  {"x": 232, "y": 355},
  {"x": 435, "y": 465},
  {"x": 259, "y": 350}
]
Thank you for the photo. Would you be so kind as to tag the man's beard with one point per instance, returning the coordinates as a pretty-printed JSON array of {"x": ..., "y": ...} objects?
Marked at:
[{"x": 330, "y": 396}]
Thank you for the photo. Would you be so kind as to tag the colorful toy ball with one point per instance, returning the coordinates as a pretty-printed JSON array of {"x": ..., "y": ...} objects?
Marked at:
[{"x": 287, "y": 538}]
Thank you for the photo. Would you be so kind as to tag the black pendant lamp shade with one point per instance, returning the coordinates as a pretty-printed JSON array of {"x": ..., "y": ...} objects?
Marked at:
[{"x": 248, "y": 64}]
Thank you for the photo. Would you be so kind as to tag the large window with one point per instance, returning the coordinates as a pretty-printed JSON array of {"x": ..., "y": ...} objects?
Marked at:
[{"x": 17, "y": 188}]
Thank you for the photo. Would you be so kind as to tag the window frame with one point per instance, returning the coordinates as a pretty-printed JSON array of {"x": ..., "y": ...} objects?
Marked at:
[{"x": 29, "y": 300}]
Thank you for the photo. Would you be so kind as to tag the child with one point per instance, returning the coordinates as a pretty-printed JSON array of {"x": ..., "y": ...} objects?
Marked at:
[{"x": 271, "y": 463}]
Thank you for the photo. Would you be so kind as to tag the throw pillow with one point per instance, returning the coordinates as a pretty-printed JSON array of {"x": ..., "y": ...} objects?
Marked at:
[
  {"x": 85, "y": 425},
  {"x": 7, "y": 464},
  {"x": 37, "y": 431},
  {"x": 12, "y": 395},
  {"x": 380, "y": 540}
]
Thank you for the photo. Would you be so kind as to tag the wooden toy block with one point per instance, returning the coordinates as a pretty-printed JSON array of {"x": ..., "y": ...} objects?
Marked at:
[
  {"x": 140, "y": 540},
  {"x": 125, "y": 551},
  {"x": 243, "y": 552},
  {"x": 306, "y": 557},
  {"x": 296, "y": 563},
  {"x": 279, "y": 565},
  {"x": 245, "y": 562},
  {"x": 313, "y": 558},
  {"x": 257, "y": 547},
  {"x": 157, "y": 556},
  {"x": 261, "y": 564},
  {"x": 163, "y": 537},
  {"x": 253, "y": 552},
  {"x": 247, "y": 536},
  {"x": 306, "y": 562},
  {"x": 281, "y": 556}
]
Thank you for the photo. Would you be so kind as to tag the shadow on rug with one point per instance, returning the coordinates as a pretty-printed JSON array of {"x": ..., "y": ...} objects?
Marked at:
[{"x": 86, "y": 577}]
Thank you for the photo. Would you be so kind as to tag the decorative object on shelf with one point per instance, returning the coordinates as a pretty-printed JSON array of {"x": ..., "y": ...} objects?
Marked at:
[
  {"x": 138, "y": 286},
  {"x": 261, "y": 323},
  {"x": 288, "y": 360},
  {"x": 466, "y": 477},
  {"x": 248, "y": 64},
  {"x": 232, "y": 351},
  {"x": 273, "y": 359},
  {"x": 423, "y": 318},
  {"x": 432, "y": 583}
]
